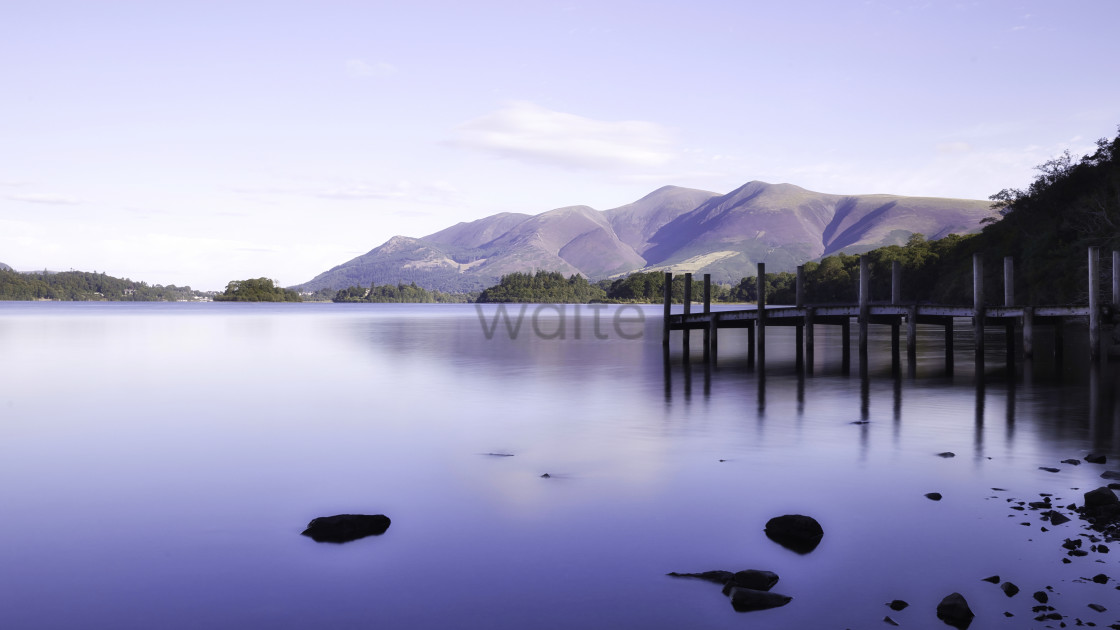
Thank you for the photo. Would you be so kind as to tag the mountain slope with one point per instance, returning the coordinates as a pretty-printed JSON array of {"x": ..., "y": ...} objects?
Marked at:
[{"x": 673, "y": 228}]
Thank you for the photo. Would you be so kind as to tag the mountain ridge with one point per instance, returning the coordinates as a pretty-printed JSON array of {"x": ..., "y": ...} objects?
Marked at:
[{"x": 671, "y": 228}]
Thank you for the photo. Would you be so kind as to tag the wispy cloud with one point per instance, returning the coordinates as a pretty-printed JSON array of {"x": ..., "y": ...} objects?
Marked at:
[
  {"x": 363, "y": 68},
  {"x": 45, "y": 198},
  {"x": 526, "y": 131}
]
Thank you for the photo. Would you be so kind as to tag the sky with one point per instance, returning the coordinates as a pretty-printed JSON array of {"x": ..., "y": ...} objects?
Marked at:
[{"x": 195, "y": 143}]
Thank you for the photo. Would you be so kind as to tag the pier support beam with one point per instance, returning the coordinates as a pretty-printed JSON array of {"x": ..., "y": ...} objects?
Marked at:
[
  {"x": 799, "y": 302},
  {"x": 713, "y": 337},
  {"x": 707, "y": 311},
  {"x": 896, "y": 323},
  {"x": 687, "y": 310},
  {"x": 978, "y": 310},
  {"x": 761, "y": 316},
  {"x": 810, "y": 313},
  {"x": 912, "y": 340},
  {"x": 1094, "y": 303},
  {"x": 864, "y": 308},
  {"x": 1028, "y": 333},
  {"x": 1009, "y": 301},
  {"x": 668, "y": 293}
]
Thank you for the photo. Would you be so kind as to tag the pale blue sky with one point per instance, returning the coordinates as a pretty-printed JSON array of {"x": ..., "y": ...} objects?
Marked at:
[{"x": 200, "y": 142}]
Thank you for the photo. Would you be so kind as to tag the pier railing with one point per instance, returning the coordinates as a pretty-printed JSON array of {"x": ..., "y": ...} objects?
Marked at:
[{"x": 1013, "y": 317}]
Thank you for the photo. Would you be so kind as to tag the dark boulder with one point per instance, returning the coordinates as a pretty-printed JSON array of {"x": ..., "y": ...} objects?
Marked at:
[
  {"x": 897, "y": 605},
  {"x": 752, "y": 579},
  {"x": 748, "y": 599},
  {"x": 933, "y": 496},
  {"x": 1099, "y": 498},
  {"x": 1009, "y": 589},
  {"x": 795, "y": 532},
  {"x": 954, "y": 611},
  {"x": 1095, "y": 458},
  {"x": 1110, "y": 474},
  {"x": 346, "y": 527}
]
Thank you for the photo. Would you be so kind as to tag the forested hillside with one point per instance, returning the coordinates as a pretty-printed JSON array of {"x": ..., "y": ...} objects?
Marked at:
[{"x": 85, "y": 286}]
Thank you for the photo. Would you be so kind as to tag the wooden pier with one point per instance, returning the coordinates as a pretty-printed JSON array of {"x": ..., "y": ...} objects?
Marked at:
[{"x": 1020, "y": 321}]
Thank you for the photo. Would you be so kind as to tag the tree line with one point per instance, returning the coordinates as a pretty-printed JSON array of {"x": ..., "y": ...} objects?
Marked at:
[
  {"x": 86, "y": 286},
  {"x": 411, "y": 293},
  {"x": 256, "y": 290}
]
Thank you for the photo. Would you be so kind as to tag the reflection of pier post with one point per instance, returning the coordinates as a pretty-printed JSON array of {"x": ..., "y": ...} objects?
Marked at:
[{"x": 949, "y": 349}]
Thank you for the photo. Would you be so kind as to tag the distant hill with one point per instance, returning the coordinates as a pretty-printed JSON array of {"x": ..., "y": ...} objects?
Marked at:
[
  {"x": 4, "y": 267},
  {"x": 672, "y": 228}
]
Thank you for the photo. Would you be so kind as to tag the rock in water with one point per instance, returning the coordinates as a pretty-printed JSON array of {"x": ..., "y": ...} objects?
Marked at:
[
  {"x": 1101, "y": 497},
  {"x": 897, "y": 605},
  {"x": 1096, "y": 458},
  {"x": 1009, "y": 589},
  {"x": 748, "y": 599},
  {"x": 752, "y": 579},
  {"x": 342, "y": 528},
  {"x": 954, "y": 611},
  {"x": 933, "y": 496},
  {"x": 719, "y": 577},
  {"x": 795, "y": 532}
]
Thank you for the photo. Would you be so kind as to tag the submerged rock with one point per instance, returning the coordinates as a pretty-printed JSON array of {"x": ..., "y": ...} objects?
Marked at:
[
  {"x": 796, "y": 532},
  {"x": 342, "y": 528},
  {"x": 748, "y": 599},
  {"x": 1096, "y": 458},
  {"x": 897, "y": 605},
  {"x": 933, "y": 496},
  {"x": 1050, "y": 469},
  {"x": 1110, "y": 474},
  {"x": 947, "y": 454},
  {"x": 954, "y": 611}
]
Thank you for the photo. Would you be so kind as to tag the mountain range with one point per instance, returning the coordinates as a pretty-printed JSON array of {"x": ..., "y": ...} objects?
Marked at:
[{"x": 673, "y": 228}]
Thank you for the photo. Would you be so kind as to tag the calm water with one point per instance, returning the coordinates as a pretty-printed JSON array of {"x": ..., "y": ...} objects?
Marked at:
[{"x": 157, "y": 463}]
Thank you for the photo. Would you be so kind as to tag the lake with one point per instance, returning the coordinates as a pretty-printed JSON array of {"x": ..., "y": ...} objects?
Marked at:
[{"x": 159, "y": 461}]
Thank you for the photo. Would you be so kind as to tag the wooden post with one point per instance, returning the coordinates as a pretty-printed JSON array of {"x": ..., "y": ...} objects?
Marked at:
[
  {"x": 687, "y": 310},
  {"x": 1009, "y": 300},
  {"x": 668, "y": 306},
  {"x": 912, "y": 337},
  {"x": 713, "y": 339},
  {"x": 810, "y": 313},
  {"x": 1028, "y": 333},
  {"x": 864, "y": 306},
  {"x": 896, "y": 321},
  {"x": 978, "y": 310},
  {"x": 1094, "y": 303},
  {"x": 762, "y": 316},
  {"x": 799, "y": 302},
  {"x": 708, "y": 312}
]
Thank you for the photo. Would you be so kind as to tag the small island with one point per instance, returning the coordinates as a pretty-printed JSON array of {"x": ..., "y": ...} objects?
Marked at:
[{"x": 256, "y": 290}]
